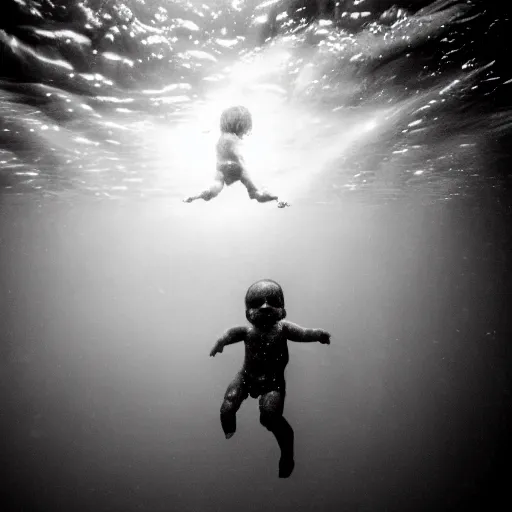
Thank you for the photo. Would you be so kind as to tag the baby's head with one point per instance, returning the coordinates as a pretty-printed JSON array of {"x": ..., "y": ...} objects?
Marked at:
[
  {"x": 236, "y": 120},
  {"x": 264, "y": 303}
]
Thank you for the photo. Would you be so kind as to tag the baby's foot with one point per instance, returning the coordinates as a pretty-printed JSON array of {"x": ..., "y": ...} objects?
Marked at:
[
  {"x": 230, "y": 435},
  {"x": 286, "y": 465},
  {"x": 283, "y": 204}
]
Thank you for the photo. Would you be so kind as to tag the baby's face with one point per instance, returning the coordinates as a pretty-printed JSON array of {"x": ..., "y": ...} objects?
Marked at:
[{"x": 265, "y": 305}]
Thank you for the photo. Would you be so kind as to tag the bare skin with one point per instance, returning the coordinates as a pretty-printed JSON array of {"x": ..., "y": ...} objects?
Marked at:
[
  {"x": 262, "y": 373},
  {"x": 230, "y": 169},
  {"x": 266, "y": 349}
]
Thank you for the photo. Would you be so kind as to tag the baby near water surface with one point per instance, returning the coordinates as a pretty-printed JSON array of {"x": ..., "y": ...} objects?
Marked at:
[{"x": 235, "y": 123}]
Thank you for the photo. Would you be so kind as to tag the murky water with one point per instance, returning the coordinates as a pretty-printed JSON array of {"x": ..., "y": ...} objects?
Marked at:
[{"x": 389, "y": 135}]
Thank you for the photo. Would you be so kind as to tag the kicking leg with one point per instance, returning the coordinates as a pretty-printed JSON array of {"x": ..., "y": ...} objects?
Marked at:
[
  {"x": 233, "y": 398},
  {"x": 263, "y": 196},
  {"x": 254, "y": 193},
  {"x": 271, "y": 417},
  {"x": 212, "y": 191}
]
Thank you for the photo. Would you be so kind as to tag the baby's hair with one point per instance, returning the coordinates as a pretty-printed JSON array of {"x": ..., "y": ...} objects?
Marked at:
[
  {"x": 262, "y": 283},
  {"x": 236, "y": 120}
]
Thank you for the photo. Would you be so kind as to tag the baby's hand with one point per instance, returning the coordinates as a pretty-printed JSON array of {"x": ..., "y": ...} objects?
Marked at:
[
  {"x": 216, "y": 349},
  {"x": 188, "y": 199},
  {"x": 325, "y": 338},
  {"x": 283, "y": 204}
]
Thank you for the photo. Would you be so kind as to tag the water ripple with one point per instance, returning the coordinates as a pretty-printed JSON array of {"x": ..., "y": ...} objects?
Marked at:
[{"x": 123, "y": 98}]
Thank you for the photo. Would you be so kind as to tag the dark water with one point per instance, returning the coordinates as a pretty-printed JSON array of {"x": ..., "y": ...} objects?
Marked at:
[{"x": 391, "y": 141}]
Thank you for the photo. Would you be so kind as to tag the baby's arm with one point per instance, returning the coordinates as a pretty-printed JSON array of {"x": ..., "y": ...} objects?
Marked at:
[
  {"x": 295, "y": 332},
  {"x": 212, "y": 191},
  {"x": 233, "y": 335}
]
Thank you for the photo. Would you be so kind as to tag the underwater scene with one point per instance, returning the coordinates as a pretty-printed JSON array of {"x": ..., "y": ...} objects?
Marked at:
[{"x": 383, "y": 126}]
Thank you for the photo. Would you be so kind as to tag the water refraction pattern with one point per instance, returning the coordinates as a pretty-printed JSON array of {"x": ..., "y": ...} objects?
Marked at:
[{"x": 116, "y": 98}]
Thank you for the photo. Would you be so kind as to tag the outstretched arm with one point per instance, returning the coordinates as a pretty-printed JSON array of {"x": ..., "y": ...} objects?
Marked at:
[
  {"x": 295, "y": 332},
  {"x": 212, "y": 191},
  {"x": 233, "y": 335}
]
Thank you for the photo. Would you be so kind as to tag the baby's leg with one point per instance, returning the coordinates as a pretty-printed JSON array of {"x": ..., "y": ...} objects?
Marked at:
[
  {"x": 264, "y": 197},
  {"x": 254, "y": 193},
  {"x": 212, "y": 191},
  {"x": 233, "y": 398},
  {"x": 271, "y": 417}
]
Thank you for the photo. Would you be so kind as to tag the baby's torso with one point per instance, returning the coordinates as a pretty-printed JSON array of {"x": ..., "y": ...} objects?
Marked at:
[
  {"x": 228, "y": 147},
  {"x": 266, "y": 354},
  {"x": 228, "y": 161}
]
